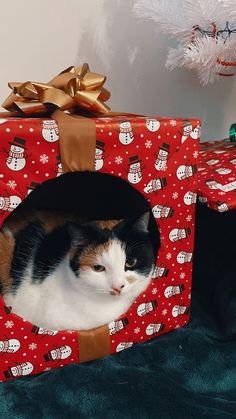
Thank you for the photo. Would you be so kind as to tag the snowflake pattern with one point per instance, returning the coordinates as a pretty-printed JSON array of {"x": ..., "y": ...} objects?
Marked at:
[
  {"x": 32, "y": 346},
  {"x": 182, "y": 275},
  {"x": 195, "y": 154},
  {"x": 221, "y": 193},
  {"x": 173, "y": 122},
  {"x": 231, "y": 179},
  {"x": 189, "y": 218},
  {"x": 137, "y": 330},
  {"x": 44, "y": 158},
  {"x": 168, "y": 256},
  {"x": 164, "y": 312},
  {"x": 154, "y": 291},
  {"x": 148, "y": 144},
  {"x": 175, "y": 195},
  {"x": 119, "y": 160},
  {"x": 12, "y": 184},
  {"x": 9, "y": 324}
]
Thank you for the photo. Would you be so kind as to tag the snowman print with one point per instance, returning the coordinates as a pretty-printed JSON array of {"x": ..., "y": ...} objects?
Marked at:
[
  {"x": 161, "y": 158},
  {"x": 190, "y": 198},
  {"x": 135, "y": 170},
  {"x": 195, "y": 134},
  {"x": 187, "y": 130},
  {"x": 9, "y": 203},
  {"x": 152, "y": 124},
  {"x": 9, "y": 346},
  {"x": 59, "y": 166},
  {"x": 155, "y": 185},
  {"x": 16, "y": 159},
  {"x": 126, "y": 135},
  {"x": 19, "y": 370},
  {"x": 223, "y": 170},
  {"x": 184, "y": 172},
  {"x": 50, "y": 131},
  {"x": 99, "y": 155}
]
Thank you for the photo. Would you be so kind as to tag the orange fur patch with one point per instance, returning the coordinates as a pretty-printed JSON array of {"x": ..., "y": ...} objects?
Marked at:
[
  {"x": 7, "y": 244},
  {"x": 89, "y": 255},
  {"x": 131, "y": 279},
  {"x": 109, "y": 224}
]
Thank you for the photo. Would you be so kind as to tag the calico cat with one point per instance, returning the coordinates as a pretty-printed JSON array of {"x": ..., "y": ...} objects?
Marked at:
[{"x": 77, "y": 275}]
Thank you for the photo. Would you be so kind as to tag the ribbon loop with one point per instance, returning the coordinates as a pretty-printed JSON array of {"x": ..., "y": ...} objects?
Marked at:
[{"x": 73, "y": 87}]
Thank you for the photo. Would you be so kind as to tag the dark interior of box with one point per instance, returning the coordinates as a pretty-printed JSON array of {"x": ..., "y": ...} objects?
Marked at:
[{"x": 91, "y": 196}]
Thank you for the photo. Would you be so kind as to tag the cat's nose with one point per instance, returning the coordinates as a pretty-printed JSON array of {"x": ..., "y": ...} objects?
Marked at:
[{"x": 117, "y": 289}]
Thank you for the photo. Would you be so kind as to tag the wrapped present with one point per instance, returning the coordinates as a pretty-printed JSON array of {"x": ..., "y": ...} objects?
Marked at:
[
  {"x": 156, "y": 156},
  {"x": 217, "y": 175}
]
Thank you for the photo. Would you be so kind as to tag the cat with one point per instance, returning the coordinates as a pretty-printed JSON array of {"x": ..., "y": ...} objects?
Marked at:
[{"x": 77, "y": 275}]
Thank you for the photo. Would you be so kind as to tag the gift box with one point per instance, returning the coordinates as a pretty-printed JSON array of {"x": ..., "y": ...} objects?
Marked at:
[
  {"x": 217, "y": 175},
  {"x": 158, "y": 158}
]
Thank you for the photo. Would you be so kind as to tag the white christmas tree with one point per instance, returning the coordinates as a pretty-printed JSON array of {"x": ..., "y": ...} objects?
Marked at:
[{"x": 205, "y": 30}]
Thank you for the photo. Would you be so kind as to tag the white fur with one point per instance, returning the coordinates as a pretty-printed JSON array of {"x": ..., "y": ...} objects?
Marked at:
[{"x": 64, "y": 301}]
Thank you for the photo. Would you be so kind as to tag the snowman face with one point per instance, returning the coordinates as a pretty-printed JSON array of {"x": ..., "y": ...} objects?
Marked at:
[
  {"x": 125, "y": 125},
  {"x": 212, "y": 184},
  {"x": 152, "y": 125},
  {"x": 98, "y": 152},
  {"x": 156, "y": 211},
  {"x": 212, "y": 161},
  {"x": 16, "y": 149},
  {"x": 123, "y": 345},
  {"x": 112, "y": 328},
  {"x": 47, "y": 122},
  {"x": 148, "y": 188},
  {"x": 14, "y": 371},
  {"x": 195, "y": 133},
  {"x": 187, "y": 129},
  {"x": 163, "y": 153},
  {"x": 181, "y": 172},
  {"x": 168, "y": 292},
  {"x": 190, "y": 198},
  {"x": 184, "y": 257},
  {"x": 223, "y": 171},
  {"x": 65, "y": 352},
  {"x": 135, "y": 165},
  {"x": 223, "y": 207},
  {"x": 2, "y": 202}
]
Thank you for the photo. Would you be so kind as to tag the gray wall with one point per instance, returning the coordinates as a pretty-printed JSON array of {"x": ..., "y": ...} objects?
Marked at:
[{"x": 39, "y": 39}]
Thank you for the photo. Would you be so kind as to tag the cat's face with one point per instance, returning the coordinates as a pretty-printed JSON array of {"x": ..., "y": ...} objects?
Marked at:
[{"x": 111, "y": 258}]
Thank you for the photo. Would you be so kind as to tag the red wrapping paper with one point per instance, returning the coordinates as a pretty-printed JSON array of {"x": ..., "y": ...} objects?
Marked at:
[{"x": 217, "y": 175}]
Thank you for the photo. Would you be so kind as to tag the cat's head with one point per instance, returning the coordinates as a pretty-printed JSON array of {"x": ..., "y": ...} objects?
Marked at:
[{"x": 112, "y": 257}]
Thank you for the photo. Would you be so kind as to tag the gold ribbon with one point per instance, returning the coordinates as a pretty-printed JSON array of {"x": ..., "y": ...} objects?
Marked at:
[{"x": 75, "y": 87}]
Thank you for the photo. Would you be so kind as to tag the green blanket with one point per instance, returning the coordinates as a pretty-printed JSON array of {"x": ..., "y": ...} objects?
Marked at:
[{"x": 189, "y": 373}]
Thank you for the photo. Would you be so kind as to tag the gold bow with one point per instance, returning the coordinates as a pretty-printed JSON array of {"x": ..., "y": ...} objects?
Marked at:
[{"x": 75, "y": 87}]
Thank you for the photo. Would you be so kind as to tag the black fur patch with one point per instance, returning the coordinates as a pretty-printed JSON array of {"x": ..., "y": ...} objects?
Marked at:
[
  {"x": 50, "y": 252},
  {"x": 26, "y": 241}
]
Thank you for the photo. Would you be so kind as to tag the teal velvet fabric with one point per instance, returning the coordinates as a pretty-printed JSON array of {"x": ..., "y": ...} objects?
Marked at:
[{"x": 189, "y": 373}]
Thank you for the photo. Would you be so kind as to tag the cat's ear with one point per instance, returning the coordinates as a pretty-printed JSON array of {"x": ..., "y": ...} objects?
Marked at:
[
  {"x": 81, "y": 234},
  {"x": 77, "y": 233},
  {"x": 141, "y": 224}
]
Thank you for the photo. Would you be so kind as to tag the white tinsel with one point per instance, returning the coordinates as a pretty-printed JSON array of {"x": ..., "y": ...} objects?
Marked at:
[{"x": 196, "y": 24}]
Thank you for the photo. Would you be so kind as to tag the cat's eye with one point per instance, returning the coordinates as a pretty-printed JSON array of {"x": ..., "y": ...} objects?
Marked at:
[
  {"x": 130, "y": 263},
  {"x": 98, "y": 268}
]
